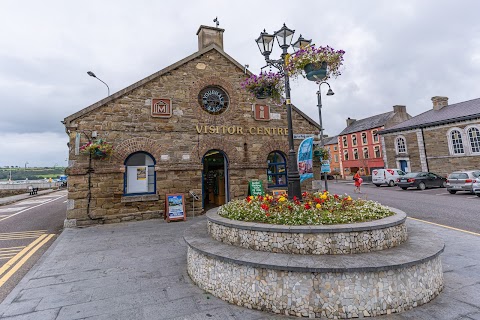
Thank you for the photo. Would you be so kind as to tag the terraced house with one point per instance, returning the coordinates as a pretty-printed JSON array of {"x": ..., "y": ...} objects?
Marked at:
[
  {"x": 441, "y": 140},
  {"x": 359, "y": 143}
]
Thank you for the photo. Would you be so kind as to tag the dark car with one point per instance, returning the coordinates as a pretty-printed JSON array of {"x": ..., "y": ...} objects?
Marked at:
[
  {"x": 329, "y": 177},
  {"x": 421, "y": 180}
]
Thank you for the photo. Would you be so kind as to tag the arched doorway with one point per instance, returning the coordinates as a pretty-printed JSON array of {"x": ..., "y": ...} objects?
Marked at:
[{"x": 214, "y": 179}]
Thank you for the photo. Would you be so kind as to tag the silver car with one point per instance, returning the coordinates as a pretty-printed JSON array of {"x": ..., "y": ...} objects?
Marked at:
[
  {"x": 476, "y": 186},
  {"x": 462, "y": 181}
]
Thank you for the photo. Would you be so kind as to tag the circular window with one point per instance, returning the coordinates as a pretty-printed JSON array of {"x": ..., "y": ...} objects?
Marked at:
[{"x": 213, "y": 99}]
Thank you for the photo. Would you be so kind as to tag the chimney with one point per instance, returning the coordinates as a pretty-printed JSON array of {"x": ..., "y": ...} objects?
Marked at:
[
  {"x": 208, "y": 36},
  {"x": 439, "y": 102},
  {"x": 399, "y": 109},
  {"x": 350, "y": 121}
]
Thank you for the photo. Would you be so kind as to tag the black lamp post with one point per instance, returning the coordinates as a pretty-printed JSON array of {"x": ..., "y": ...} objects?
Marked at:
[
  {"x": 265, "y": 43},
  {"x": 322, "y": 144},
  {"x": 91, "y": 74}
]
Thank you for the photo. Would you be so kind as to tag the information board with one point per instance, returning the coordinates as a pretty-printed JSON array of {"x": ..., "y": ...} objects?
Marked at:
[
  {"x": 175, "y": 207},
  {"x": 255, "y": 188},
  {"x": 325, "y": 166}
]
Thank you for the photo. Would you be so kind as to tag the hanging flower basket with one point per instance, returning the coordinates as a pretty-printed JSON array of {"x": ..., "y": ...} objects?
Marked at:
[
  {"x": 316, "y": 64},
  {"x": 321, "y": 153},
  {"x": 98, "y": 149},
  {"x": 265, "y": 85}
]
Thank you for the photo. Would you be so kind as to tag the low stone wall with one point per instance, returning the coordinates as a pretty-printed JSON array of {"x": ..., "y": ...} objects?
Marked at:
[
  {"x": 325, "y": 239},
  {"x": 328, "y": 286}
]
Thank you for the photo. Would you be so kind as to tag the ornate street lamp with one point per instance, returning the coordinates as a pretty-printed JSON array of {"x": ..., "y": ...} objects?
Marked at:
[
  {"x": 319, "y": 97},
  {"x": 91, "y": 74},
  {"x": 265, "y": 43}
]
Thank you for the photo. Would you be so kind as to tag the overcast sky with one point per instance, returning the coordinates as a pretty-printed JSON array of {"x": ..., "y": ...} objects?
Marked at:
[{"x": 397, "y": 52}]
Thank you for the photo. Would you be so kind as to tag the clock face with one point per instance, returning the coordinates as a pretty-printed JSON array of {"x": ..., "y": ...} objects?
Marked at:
[{"x": 213, "y": 99}]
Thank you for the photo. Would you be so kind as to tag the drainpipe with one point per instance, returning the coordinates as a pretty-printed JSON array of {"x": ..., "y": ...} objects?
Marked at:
[{"x": 425, "y": 151}]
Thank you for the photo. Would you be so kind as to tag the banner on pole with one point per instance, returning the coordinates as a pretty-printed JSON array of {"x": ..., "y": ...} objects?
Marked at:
[{"x": 305, "y": 159}]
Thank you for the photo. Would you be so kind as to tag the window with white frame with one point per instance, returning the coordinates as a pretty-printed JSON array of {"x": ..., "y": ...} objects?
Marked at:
[
  {"x": 365, "y": 153},
  {"x": 139, "y": 177},
  {"x": 355, "y": 154},
  {"x": 335, "y": 156},
  {"x": 456, "y": 141},
  {"x": 376, "y": 152},
  {"x": 354, "y": 139},
  {"x": 364, "y": 138},
  {"x": 375, "y": 135},
  {"x": 474, "y": 138},
  {"x": 345, "y": 143},
  {"x": 345, "y": 154},
  {"x": 401, "y": 145},
  {"x": 335, "y": 148}
]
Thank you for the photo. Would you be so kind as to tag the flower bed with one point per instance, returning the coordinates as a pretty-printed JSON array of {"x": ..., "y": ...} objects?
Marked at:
[{"x": 318, "y": 208}]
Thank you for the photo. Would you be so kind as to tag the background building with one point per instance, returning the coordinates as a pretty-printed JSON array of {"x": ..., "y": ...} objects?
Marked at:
[
  {"x": 359, "y": 143},
  {"x": 332, "y": 144},
  {"x": 188, "y": 127},
  {"x": 441, "y": 140}
]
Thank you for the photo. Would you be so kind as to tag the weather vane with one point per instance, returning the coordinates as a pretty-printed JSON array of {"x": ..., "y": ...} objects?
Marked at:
[{"x": 216, "y": 21}]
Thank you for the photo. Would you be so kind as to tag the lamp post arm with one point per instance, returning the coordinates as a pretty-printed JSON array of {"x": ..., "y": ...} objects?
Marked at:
[{"x": 108, "y": 88}]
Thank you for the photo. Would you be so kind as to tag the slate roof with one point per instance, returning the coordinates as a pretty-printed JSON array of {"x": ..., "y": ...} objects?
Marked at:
[
  {"x": 368, "y": 123},
  {"x": 452, "y": 113},
  {"x": 331, "y": 140}
]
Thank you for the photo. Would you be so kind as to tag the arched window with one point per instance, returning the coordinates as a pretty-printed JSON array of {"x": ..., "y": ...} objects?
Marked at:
[
  {"x": 139, "y": 177},
  {"x": 456, "y": 142},
  {"x": 474, "y": 138},
  {"x": 401, "y": 145},
  {"x": 277, "y": 169},
  {"x": 345, "y": 154}
]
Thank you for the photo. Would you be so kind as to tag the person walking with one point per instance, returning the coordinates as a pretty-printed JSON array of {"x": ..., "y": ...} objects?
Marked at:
[{"x": 358, "y": 183}]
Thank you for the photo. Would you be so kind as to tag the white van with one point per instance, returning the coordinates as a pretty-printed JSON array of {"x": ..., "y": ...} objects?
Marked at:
[{"x": 386, "y": 176}]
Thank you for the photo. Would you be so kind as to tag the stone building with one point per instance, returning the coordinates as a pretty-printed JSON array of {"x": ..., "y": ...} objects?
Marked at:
[
  {"x": 441, "y": 140},
  {"x": 188, "y": 127},
  {"x": 359, "y": 143}
]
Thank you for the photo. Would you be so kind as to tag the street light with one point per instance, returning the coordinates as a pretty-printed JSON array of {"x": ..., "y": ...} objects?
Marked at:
[
  {"x": 265, "y": 44},
  {"x": 91, "y": 74},
  {"x": 319, "y": 96}
]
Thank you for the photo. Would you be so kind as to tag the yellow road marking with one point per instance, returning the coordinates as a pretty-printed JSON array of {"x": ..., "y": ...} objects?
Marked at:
[
  {"x": 444, "y": 226},
  {"x": 21, "y": 237},
  {"x": 20, "y": 254},
  {"x": 11, "y": 248},
  {"x": 7, "y": 257},
  {"x": 2, "y": 253},
  {"x": 24, "y": 259}
]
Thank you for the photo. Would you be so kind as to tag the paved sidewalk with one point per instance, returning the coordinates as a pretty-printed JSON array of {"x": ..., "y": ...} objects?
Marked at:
[
  {"x": 23, "y": 196},
  {"x": 137, "y": 270}
]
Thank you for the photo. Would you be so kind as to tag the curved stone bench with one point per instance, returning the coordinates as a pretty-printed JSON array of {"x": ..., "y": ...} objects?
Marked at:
[
  {"x": 341, "y": 286},
  {"x": 322, "y": 239}
]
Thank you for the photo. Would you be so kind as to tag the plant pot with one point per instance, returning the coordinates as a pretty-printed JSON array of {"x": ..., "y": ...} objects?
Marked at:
[
  {"x": 316, "y": 71},
  {"x": 317, "y": 153},
  {"x": 263, "y": 92},
  {"x": 97, "y": 154}
]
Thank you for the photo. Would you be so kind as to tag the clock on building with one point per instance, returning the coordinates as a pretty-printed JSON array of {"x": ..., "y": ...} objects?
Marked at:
[{"x": 213, "y": 99}]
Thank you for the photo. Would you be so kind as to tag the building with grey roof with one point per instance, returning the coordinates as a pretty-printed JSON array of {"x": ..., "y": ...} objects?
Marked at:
[
  {"x": 441, "y": 140},
  {"x": 359, "y": 143}
]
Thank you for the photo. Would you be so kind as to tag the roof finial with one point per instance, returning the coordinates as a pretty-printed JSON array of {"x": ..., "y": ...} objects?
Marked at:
[{"x": 216, "y": 21}]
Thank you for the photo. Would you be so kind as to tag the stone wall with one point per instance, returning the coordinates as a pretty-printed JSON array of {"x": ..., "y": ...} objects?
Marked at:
[
  {"x": 361, "y": 237},
  {"x": 177, "y": 144}
]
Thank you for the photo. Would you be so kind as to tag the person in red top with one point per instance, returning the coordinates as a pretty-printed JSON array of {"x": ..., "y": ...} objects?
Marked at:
[{"x": 358, "y": 182}]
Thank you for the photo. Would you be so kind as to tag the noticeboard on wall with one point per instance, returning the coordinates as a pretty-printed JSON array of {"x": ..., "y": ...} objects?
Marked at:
[{"x": 175, "y": 207}]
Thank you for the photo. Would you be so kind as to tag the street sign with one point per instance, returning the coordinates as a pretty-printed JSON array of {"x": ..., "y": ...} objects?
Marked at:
[{"x": 325, "y": 166}]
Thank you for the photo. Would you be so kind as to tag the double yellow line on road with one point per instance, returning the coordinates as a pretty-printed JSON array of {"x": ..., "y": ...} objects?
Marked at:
[{"x": 9, "y": 268}]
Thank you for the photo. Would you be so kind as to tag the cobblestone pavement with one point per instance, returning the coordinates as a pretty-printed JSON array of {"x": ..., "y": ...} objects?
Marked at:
[{"x": 137, "y": 270}]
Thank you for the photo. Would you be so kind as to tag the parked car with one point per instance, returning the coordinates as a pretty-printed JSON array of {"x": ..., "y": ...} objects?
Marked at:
[
  {"x": 421, "y": 180},
  {"x": 462, "y": 181},
  {"x": 476, "y": 186},
  {"x": 386, "y": 176},
  {"x": 329, "y": 177}
]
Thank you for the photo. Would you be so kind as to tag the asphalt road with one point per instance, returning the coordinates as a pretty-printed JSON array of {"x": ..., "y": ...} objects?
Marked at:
[
  {"x": 461, "y": 210},
  {"x": 27, "y": 229}
]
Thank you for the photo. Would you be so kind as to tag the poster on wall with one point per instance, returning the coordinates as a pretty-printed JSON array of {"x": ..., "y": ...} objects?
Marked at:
[
  {"x": 175, "y": 207},
  {"x": 137, "y": 181},
  {"x": 305, "y": 159},
  {"x": 141, "y": 173}
]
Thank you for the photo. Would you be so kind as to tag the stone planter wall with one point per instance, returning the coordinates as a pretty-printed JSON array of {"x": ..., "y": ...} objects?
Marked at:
[{"x": 338, "y": 239}]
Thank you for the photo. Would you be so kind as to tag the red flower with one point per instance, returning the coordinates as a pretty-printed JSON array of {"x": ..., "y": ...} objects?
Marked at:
[
  {"x": 307, "y": 206},
  {"x": 335, "y": 196},
  {"x": 249, "y": 199},
  {"x": 264, "y": 206},
  {"x": 290, "y": 208},
  {"x": 267, "y": 214},
  {"x": 305, "y": 194},
  {"x": 317, "y": 200}
]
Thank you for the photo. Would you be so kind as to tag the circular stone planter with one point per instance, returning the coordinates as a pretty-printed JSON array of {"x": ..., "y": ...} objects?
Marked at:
[
  {"x": 323, "y": 239},
  {"x": 328, "y": 286}
]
